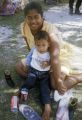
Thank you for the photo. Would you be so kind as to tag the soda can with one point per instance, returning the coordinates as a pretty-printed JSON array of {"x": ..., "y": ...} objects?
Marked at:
[
  {"x": 24, "y": 94},
  {"x": 14, "y": 104}
]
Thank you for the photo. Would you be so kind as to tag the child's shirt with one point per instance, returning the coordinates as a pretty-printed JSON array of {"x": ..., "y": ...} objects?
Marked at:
[{"x": 38, "y": 60}]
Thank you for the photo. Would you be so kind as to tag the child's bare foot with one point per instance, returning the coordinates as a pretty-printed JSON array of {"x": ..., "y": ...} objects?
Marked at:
[{"x": 46, "y": 113}]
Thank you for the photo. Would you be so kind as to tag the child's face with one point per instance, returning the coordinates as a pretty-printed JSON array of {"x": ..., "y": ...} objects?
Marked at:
[{"x": 42, "y": 45}]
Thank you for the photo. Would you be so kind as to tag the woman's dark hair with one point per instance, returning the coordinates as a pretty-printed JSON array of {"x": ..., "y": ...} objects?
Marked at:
[
  {"x": 41, "y": 35},
  {"x": 33, "y": 6}
]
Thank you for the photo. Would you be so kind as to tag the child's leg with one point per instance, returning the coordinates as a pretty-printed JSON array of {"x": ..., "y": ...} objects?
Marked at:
[
  {"x": 30, "y": 82},
  {"x": 45, "y": 96},
  {"x": 45, "y": 91},
  {"x": 46, "y": 112}
]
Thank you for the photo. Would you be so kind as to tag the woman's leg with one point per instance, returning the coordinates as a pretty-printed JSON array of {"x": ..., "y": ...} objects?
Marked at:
[
  {"x": 68, "y": 80},
  {"x": 71, "y": 2},
  {"x": 78, "y": 4},
  {"x": 21, "y": 68}
]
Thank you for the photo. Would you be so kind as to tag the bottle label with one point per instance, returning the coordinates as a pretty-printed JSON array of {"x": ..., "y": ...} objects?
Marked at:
[{"x": 14, "y": 104}]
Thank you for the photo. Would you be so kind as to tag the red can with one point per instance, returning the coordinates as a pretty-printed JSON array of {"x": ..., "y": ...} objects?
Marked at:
[{"x": 14, "y": 104}]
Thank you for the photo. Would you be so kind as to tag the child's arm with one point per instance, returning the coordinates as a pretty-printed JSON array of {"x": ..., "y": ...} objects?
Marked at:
[{"x": 29, "y": 57}]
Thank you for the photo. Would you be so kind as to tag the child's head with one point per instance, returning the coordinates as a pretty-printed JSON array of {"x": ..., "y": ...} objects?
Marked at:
[{"x": 42, "y": 41}]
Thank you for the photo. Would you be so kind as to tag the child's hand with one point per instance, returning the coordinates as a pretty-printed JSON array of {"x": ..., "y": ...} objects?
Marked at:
[{"x": 45, "y": 64}]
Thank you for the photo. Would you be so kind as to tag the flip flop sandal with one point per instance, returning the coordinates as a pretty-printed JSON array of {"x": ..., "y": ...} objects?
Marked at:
[{"x": 29, "y": 113}]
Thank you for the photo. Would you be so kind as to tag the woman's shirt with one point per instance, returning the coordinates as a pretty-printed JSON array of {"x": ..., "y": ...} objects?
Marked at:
[
  {"x": 48, "y": 27},
  {"x": 65, "y": 48}
]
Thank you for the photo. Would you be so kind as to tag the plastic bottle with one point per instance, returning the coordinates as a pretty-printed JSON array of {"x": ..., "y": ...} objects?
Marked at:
[{"x": 9, "y": 79}]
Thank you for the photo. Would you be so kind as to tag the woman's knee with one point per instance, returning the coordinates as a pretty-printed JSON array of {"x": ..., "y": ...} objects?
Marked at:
[
  {"x": 21, "y": 69},
  {"x": 18, "y": 66}
]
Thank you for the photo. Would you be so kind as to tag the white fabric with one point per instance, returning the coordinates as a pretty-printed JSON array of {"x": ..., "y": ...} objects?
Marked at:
[
  {"x": 65, "y": 70},
  {"x": 38, "y": 59},
  {"x": 62, "y": 111},
  {"x": 58, "y": 96}
]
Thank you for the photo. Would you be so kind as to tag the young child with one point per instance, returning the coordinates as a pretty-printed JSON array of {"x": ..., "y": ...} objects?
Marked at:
[{"x": 38, "y": 61}]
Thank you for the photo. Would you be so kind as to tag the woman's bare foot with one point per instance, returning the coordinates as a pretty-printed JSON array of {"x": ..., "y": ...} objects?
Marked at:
[
  {"x": 46, "y": 113},
  {"x": 78, "y": 76},
  {"x": 72, "y": 80}
]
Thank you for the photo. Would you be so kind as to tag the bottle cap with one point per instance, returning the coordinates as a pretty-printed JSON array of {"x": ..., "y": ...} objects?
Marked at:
[
  {"x": 24, "y": 91},
  {"x": 7, "y": 72}
]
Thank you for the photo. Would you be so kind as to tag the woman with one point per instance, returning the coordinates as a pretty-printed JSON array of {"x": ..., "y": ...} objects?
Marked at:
[
  {"x": 33, "y": 23},
  {"x": 7, "y": 7}
]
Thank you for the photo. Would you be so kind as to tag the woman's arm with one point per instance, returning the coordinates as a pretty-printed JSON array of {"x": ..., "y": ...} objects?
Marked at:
[
  {"x": 26, "y": 42},
  {"x": 55, "y": 63}
]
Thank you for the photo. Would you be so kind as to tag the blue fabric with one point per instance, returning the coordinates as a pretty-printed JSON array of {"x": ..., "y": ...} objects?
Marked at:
[
  {"x": 30, "y": 114},
  {"x": 29, "y": 57}
]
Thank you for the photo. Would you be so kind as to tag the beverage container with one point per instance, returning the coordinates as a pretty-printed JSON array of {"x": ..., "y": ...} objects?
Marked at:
[
  {"x": 73, "y": 103},
  {"x": 24, "y": 94},
  {"x": 9, "y": 78},
  {"x": 14, "y": 104},
  {"x": 72, "y": 107}
]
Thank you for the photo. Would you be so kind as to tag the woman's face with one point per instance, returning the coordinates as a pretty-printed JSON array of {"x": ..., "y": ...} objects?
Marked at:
[{"x": 34, "y": 20}]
